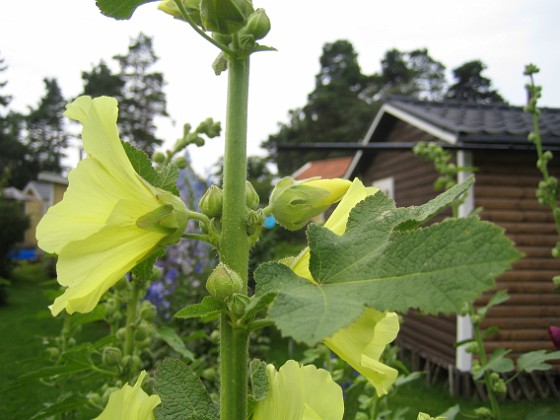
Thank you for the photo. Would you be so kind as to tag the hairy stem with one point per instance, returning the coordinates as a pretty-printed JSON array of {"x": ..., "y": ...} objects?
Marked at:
[
  {"x": 131, "y": 314},
  {"x": 234, "y": 242}
]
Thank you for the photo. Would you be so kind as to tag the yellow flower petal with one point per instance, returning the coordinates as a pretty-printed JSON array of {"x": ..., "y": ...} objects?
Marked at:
[
  {"x": 300, "y": 393},
  {"x": 95, "y": 229},
  {"x": 362, "y": 343},
  {"x": 88, "y": 268},
  {"x": 130, "y": 403}
]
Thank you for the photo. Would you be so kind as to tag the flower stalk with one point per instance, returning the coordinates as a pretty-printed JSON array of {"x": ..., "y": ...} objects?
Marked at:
[{"x": 234, "y": 242}]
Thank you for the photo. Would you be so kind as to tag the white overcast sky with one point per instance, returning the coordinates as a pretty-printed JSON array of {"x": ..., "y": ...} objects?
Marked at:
[{"x": 62, "y": 38}]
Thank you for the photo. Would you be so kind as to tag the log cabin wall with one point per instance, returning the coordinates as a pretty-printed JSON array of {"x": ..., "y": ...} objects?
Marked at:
[
  {"x": 505, "y": 189},
  {"x": 430, "y": 337}
]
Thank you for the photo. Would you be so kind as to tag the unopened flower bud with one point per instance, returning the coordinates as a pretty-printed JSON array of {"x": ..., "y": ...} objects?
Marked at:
[
  {"x": 258, "y": 24},
  {"x": 223, "y": 282},
  {"x": 238, "y": 303},
  {"x": 111, "y": 356},
  {"x": 158, "y": 157},
  {"x": 141, "y": 333},
  {"x": 148, "y": 310},
  {"x": 191, "y": 7},
  {"x": 251, "y": 197},
  {"x": 225, "y": 16},
  {"x": 181, "y": 162},
  {"x": 294, "y": 203},
  {"x": 121, "y": 334},
  {"x": 212, "y": 202}
]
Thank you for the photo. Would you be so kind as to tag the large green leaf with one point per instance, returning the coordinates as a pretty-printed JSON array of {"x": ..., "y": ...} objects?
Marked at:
[
  {"x": 385, "y": 262},
  {"x": 183, "y": 396},
  {"x": 120, "y": 9}
]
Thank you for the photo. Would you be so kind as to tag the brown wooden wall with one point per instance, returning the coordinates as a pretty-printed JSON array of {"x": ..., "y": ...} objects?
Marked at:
[{"x": 505, "y": 189}]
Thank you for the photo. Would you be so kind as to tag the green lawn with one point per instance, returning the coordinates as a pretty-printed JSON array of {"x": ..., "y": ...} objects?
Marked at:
[{"x": 24, "y": 321}]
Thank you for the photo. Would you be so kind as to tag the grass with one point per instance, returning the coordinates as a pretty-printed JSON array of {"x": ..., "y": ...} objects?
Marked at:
[
  {"x": 434, "y": 400},
  {"x": 24, "y": 321}
]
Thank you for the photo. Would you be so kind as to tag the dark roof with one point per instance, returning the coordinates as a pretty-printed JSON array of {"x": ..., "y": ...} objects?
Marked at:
[{"x": 479, "y": 122}]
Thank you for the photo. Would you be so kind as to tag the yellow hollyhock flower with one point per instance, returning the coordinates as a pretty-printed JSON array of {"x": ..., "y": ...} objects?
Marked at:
[
  {"x": 300, "y": 393},
  {"x": 362, "y": 342},
  {"x": 110, "y": 219},
  {"x": 293, "y": 203},
  {"x": 130, "y": 403}
]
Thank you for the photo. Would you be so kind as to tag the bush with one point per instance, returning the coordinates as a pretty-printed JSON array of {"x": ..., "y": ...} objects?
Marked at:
[{"x": 13, "y": 223}]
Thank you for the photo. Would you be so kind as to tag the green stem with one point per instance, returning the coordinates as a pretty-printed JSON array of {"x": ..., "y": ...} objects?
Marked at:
[
  {"x": 131, "y": 314},
  {"x": 495, "y": 406},
  {"x": 234, "y": 242}
]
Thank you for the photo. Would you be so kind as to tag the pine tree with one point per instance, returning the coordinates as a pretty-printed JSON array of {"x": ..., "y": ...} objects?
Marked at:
[
  {"x": 142, "y": 98},
  {"x": 46, "y": 135},
  {"x": 471, "y": 86},
  {"x": 16, "y": 164}
]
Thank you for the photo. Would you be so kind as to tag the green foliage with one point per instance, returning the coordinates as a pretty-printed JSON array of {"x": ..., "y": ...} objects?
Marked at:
[
  {"x": 17, "y": 165},
  {"x": 370, "y": 265},
  {"x": 413, "y": 73},
  {"x": 120, "y": 9},
  {"x": 13, "y": 223},
  {"x": 46, "y": 135},
  {"x": 209, "y": 306},
  {"x": 471, "y": 86},
  {"x": 183, "y": 396}
]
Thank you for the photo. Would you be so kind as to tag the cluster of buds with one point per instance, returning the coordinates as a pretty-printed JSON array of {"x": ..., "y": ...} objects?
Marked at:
[{"x": 224, "y": 18}]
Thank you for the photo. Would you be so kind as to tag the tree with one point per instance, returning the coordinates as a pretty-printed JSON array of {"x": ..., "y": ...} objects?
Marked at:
[
  {"x": 142, "y": 97},
  {"x": 101, "y": 81},
  {"x": 16, "y": 164},
  {"x": 471, "y": 86},
  {"x": 413, "y": 73},
  {"x": 335, "y": 110},
  {"x": 46, "y": 135}
]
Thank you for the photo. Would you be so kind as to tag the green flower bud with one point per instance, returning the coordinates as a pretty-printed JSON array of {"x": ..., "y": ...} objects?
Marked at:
[
  {"x": 142, "y": 332},
  {"x": 223, "y": 282},
  {"x": 181, "y": 162},
  {"x": 238, "y": 303},
  {"x": 209, "y": 374},
  {"x": 157, "y": 273},
  {"x": 52, "y": 352},
  {"x": 148, "y": 310},
  {"x": 251, "y": 196},
  {"x": 225, "y": 16},
  {"x": 111, "y": 356},
  {"x": 158, "y": 157},
  {"x": 294, "y": 203},
  {"x": 258, "y": 25},
  {"x": 212, "y": 202},
  {"x": 121, "y": 334},
  {"x": 191, "y": 6}
]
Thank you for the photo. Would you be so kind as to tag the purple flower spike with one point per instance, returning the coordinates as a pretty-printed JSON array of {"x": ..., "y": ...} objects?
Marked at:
[{"x": 554, "y": 333}]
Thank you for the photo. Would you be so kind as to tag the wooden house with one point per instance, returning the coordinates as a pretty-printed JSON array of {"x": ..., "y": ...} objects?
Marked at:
[
  {"x": 36, "y": 197},
  {"x": 492, "y": 138}
]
